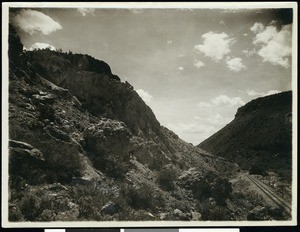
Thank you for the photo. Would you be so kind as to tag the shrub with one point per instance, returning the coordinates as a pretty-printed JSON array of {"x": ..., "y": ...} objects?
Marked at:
[
  {"x": 201, "y": 189},
  {"x": 217, "y": 213},
  {"x": 14, "y": 214},
  {"x": 221, "y": 190},
  {"x": 63, "y": 159},
  {"x": 90, "y": 200},
  {"x": 140, "y": 198},
  {"x": 31, "y": 206},
  {"x": 166, "y": 179}
]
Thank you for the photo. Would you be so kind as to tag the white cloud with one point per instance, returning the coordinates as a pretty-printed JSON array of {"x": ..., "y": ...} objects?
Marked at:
[
  {"x": 194, "y": 131},
  {"x": 192, "y": 127},
  {"x": 41, "y": 46},
  {"x": 225, "y": 100},
  {"x": 222, "y": 22},
  {"x": 144, "y": 95},
  {"x": 249, "y": 52},
  {"x": 235, "y": 64},
  {"x": 86, "y": 11},
  {"x": 275, "y": 46},
  {"x": 180, "y": 68},
  {"x": 254, "y": 93},
  {"x": 271, "y": 92},
  {"x": 198, "y": 64},
  {"x": 217, "y": 119},
  {"x": 245, "y": 34},
  {"x": 169, "y": 41},
  {"x": 257, "y": 27},
  {"x": 215, "y": 45},
  {"x": 204, "y": 105},
  {"x": 32, "y": 21}
]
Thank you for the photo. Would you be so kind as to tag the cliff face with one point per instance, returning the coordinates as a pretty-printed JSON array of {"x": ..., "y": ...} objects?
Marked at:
[
  {"x": 73, "y": 124},
  {"x": 260, "y": 135}
]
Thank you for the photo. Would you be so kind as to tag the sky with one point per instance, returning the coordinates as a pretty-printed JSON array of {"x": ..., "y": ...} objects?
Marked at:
[{"x": 193, "y": 67}]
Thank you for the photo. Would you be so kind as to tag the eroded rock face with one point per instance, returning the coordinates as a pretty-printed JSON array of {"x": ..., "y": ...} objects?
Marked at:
[
  {"x": 97, "y": 89},
  {"x": 108, "y": 136},
  {"x": 25, "y": 162}
]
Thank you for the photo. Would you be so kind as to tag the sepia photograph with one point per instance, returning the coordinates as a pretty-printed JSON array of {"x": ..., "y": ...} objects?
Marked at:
[{"x": 156, "y": 114}]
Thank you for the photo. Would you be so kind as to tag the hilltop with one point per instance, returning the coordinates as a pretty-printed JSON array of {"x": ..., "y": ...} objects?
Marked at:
[{"x": 260, "y": 136}]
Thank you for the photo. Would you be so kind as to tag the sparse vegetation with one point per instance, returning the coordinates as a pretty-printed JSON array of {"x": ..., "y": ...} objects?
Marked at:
[
  {"x": 107, "y": 158},
  {"x": 166, "y": 179}
]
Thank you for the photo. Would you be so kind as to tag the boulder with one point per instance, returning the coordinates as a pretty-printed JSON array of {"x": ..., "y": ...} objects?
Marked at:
[
  {"x": 109, "y": 208},
  {"x": 108, "y": 136},
  {"x": 25, "y": 163},
  {"x": 45, "y": 98}
]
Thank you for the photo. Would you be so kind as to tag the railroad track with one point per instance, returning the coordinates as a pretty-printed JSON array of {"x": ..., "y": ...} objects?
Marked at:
[{"x": 274, "y": 197}]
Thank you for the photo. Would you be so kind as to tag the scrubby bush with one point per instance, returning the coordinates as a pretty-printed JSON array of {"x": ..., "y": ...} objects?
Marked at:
[
  {"x": 90, "y": 200},
  {"x": 201, "y": 189},
  {"x": 166, "y": 179},
  {"x": 64, "y": 161},
  {"x": 111, "y": 165},
  {"x": 139, "y": 198},
  {"x": 31, "y": 206},
  {"x": 217, "y": 213},
  {"x": 14, "y": 214},
  {"x": 257, "y": 170},
  {"x": 221, "y": 190}
]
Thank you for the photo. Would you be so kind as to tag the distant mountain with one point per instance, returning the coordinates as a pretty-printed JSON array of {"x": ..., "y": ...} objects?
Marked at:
[
  {"x": 259, "y": 137},
  {"x": 85, "y": 146}
]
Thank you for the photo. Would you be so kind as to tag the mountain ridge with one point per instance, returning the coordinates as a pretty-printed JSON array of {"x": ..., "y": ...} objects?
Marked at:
[
  {"x": 260, "y": 135},
  {"x": 103, "y": 149}
]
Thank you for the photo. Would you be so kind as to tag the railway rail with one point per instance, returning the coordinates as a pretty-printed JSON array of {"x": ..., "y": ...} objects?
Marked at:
[{"x": 273, "y": 196}]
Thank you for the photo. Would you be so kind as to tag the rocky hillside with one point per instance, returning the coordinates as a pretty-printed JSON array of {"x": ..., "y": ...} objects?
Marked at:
[
  {"x": 260, "y": 136},
  {"x": 84, "y": 146}
]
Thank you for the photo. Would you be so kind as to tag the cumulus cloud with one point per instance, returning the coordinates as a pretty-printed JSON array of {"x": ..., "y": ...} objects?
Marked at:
[
  {"x": 275, "y": 46},
  {"x": 169, "y": 41},
  {"x": 262, "y": 94},
  {"x": 192, "y": 127},
  {"x": 180, "y": 68},
  {"x": 144, "y": 95},
  {"x": 235, "y": 64},
  {"x": 249, "y": 52},
  {"x": 32, "y": 21},
  {"x": 221, "y": 22},
  {"x": 86, "y": 11},
  {"x": 204, "y": 105},
  {"x": 41, "y": 46},
  {"x": 198, "y": 64},
  {"x": 194, "y": 131},
  {"x": 215, "y": 45},
  {"x": 257, "y": 27},
  {"x": 217, "y": 119},
  {"x": 245, "y": 34},
  {"x": 225, "y": 100}
]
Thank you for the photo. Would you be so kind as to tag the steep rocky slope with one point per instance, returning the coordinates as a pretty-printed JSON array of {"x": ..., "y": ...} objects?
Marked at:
[
  {"x": 84, "y": 146},
  {"x": 260, "y": 136}
]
